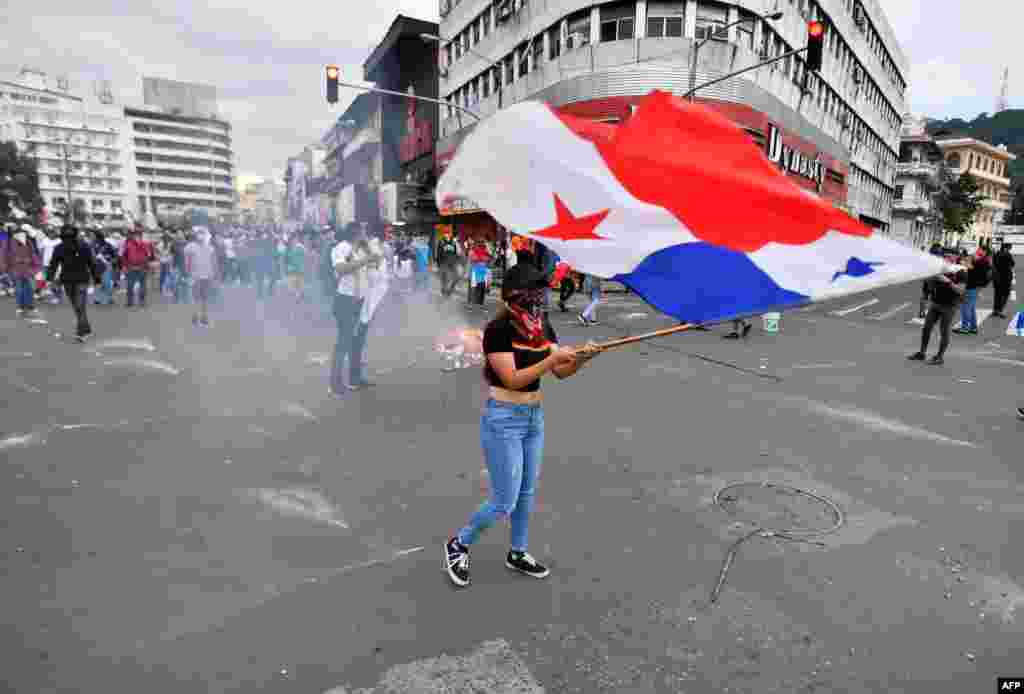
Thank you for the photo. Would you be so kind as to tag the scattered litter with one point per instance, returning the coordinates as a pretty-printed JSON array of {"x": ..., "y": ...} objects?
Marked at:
[
  {"x": 970, "y": 656},
  {"x": 150, "y": 364},
  {"x": 967, "y": 380},
  {"x": 38, "y": 321}
]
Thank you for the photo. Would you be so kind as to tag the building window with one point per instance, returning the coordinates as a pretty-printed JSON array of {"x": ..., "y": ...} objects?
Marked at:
[
  {"x": 485, "y": 22},
  {"x": 578, "y": 31},
  {"x": 711, "y": 20},
  {"x": 538, "y": 51},
  {"x": 510, "y": 69},
  {"x": 97, "y": 204},
  {"x": 745, "y": 34},
  {"x": 618, "y": 21},
  {"x": 899, "y": 193},
  {"x": 665, "y": 18},
  {"x": 115, "y": 205},
  {"x": 554, "y": 42},
  {"x": 524, "y": 59},
  {"x": 476, "y": 33}
]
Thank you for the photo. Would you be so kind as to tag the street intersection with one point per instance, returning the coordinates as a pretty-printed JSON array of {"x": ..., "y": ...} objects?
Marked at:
[{"x": 188, "y": 510}]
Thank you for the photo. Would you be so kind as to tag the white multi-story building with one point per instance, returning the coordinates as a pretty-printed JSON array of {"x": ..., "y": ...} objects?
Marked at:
[
  {"x": 915, "y": 219},
  {"x": 78, "y": 142},
  {"x": 597, "y": 59},
  {"x": 183, "y": 158}
]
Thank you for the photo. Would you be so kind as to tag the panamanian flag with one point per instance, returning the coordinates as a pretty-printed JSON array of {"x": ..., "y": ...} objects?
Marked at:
[{"x": 678, "y": 204}]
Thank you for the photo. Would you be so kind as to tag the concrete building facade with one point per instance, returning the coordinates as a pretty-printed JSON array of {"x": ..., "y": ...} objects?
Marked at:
[
  {"x": 183, "y": 157},
  {"x": 988, "y": 164},
  {"x": 597, "y": 59},
  {"x": 915, "y": 220},
  {"x": 79, "y": 141}
]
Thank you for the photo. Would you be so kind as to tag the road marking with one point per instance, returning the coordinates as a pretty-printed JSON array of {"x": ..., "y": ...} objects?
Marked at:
[
  {"x": 144, "y": 345},
  {"x": 149, "y": 364},
  {"x": 22, "y": 441},
  {"x": 300, "y": 503},
  {"x": 852, "y": 309},
  {"x": 915, "y": 321},
  {"x": 915, "y": 396},
  {"x": 891, "y": 312},
  {"x": 833, "y": 365},
  {"x": 296, "y": 410},
  {"x": 876, "y": 422},
  {"x": 494, "y": 667}
]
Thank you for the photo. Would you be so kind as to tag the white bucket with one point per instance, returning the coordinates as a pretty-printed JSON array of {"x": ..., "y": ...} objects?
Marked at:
[{"x": 771, "y": 322}]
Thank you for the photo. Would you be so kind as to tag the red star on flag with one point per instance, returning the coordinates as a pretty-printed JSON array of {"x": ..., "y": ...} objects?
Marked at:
[{"x": 568, "y": 227}]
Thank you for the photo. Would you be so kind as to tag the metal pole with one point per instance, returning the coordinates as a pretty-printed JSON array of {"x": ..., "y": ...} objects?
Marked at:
[
  {"x": 408, "y": 96},
  {"x": 798, "y": 51}
]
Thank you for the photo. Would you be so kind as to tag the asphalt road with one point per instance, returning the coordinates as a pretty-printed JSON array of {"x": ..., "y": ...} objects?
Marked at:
[{"x": 187, "y": 510}]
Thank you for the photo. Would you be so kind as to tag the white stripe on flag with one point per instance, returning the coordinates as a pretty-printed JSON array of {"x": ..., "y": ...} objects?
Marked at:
[{"x": 852, "y": 309}]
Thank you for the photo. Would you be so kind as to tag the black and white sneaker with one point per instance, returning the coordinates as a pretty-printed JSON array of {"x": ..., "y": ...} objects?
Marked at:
[
  {"x": 1020, "y": 413},
  {"x": 526, "y": 565},
  {"x": 582, "y": 319},
  {"x": 456, "y": 562}
]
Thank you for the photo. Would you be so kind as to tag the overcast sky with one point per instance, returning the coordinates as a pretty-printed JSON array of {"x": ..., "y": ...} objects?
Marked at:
[{"x": 267, "y": 58}]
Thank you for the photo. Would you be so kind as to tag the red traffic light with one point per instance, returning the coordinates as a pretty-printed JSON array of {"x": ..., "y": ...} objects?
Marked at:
[
  {"x": 815, "y": 45},
  {"x": 332, "y": 84}
]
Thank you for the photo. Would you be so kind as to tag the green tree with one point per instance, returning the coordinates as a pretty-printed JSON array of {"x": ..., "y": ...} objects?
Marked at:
[
  {"x": 19, "y": 182},
  {"x": 957, "y": 201}
]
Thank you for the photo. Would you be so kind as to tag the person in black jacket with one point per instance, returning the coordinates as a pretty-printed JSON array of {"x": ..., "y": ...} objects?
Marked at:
[
  {"x": 946, "y": 291},
  {"x": 74, "y": 263},
  {"x": 1002, "y": 278}
]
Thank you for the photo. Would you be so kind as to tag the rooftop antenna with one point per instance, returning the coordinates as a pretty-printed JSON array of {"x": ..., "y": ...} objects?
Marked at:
[{"x": 1001, "y": 102}]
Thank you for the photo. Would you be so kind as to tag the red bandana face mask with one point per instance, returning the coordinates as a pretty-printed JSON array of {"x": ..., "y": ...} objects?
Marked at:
[{"x": 525, "y": 309}]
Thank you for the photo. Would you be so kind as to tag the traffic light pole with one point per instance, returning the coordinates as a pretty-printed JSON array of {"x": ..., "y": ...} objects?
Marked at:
[
  {"x": 689, "y": 94},
  {"x": 409, "y": 96}
]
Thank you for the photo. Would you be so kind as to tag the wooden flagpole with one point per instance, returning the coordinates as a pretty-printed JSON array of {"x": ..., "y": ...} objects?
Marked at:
[{"x": 604, "y": 346}]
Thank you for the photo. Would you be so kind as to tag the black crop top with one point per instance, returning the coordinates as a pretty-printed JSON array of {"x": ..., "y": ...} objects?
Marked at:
[{"x": 501, "y": 336}]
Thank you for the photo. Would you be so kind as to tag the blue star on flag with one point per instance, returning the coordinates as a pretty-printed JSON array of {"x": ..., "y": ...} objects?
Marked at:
[{"x": 855, "y": 267}]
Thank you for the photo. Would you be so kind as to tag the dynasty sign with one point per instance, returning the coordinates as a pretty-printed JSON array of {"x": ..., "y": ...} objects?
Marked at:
[{"x": 792, "y": 160}]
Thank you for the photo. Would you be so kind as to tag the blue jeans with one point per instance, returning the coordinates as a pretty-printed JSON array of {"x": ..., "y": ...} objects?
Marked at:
[
  {"x": 968, "y": 311},
  {"x": 595, "y": 300},
  {"x": 24, "y": 292},
  {"x": 133, "y": 278},
  {"x": 183, "y": 290},
  {"x": 513, "y": 441},
  {"x": 105, "y": 292},
  {"x": 165, "y": 277}
]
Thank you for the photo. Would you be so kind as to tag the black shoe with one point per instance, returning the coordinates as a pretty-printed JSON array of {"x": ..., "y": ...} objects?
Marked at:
[
  {"x": 746, "y": 330},
  {"x": 1020, "y": 413},
  {"x": 456, "y": 562},
  {"x": 916, "y": 356},
  {"x": 959, "y": 331},
  {"x": 562, "y": 307},
  {"x": 702, "y": 328},
  {"x": 937, "y": 360},
  {"x": 594, "y": 321},
  {"x": 731, "y": 336},
  {"x": 526, "y": 565},
  {"x": 363, "y": 384}
]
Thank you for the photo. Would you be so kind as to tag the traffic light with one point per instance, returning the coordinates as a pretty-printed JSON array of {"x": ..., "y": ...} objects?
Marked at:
[
  {"x": 332, "y": 84},
  {"x": 815, "y": 45}
]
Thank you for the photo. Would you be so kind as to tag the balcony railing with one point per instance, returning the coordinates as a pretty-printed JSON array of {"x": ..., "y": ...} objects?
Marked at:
[
  {"x": 916, "y": 168},
  {"x": 911, "y": 204}
]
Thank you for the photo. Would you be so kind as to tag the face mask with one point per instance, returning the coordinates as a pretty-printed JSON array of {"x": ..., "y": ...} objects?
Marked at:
[{"x": 530, "y": 302}]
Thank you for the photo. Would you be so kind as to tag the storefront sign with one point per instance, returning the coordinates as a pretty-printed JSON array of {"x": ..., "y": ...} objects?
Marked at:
[
  {"x": 451, "y": 205},
  {"x": 792, "y": 160}
]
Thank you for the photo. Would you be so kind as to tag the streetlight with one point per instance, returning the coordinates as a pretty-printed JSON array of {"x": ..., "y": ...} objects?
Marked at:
[
  {"x": 773, "y": 16},
  {"x": 433, "y": 38}
]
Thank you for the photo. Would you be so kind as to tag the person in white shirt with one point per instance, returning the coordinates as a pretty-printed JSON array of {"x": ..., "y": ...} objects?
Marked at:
[
  {"x": 201, "y": 266},
  {"x": 350, "y": 262},
  {"x": 378, "y": 281},
  {"x": 47, "y": 242}
]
